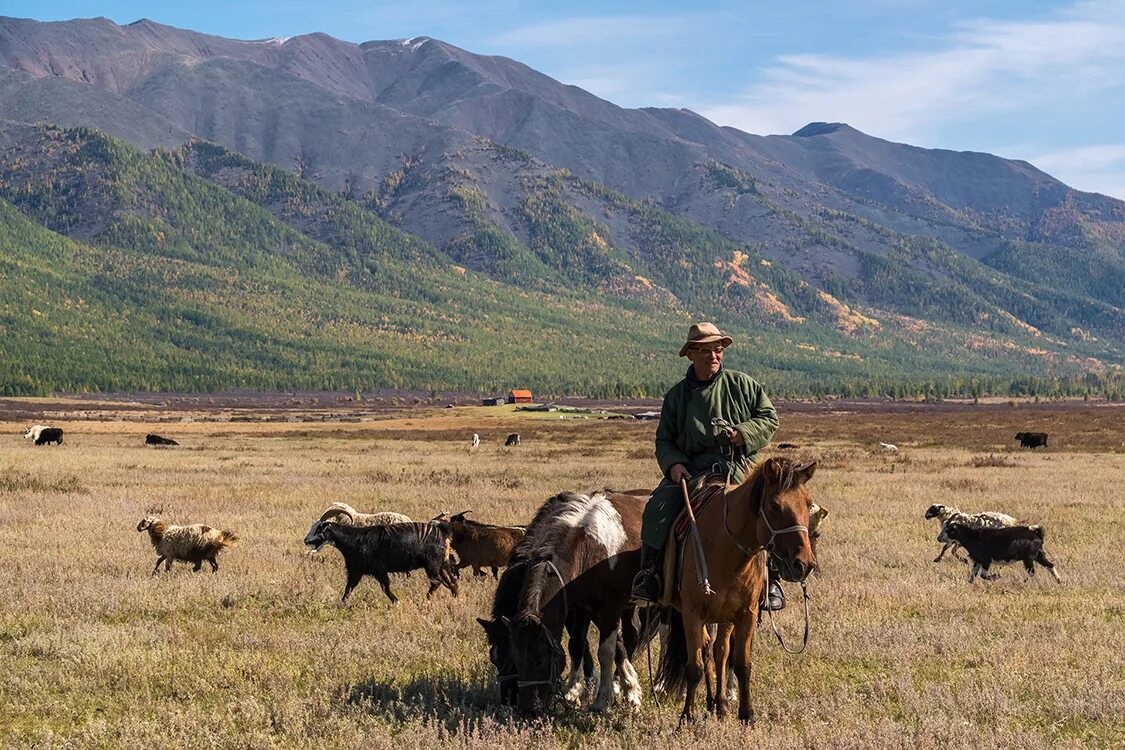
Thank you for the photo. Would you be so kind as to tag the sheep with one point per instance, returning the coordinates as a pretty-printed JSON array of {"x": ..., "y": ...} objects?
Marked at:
[
  {"x": 349, "y": 516},
  {"x": 397, "y": 548},
  {"x": 194, "y": 543},
  {"x": 948, "y": 514},
  {"x": 482, "y": 545}
]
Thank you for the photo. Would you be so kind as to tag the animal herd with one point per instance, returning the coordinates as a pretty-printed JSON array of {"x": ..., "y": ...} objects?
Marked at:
[{"x": 572, "y": 566}]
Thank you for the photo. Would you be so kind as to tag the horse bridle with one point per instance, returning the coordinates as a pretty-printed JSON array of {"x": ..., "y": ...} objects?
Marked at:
[
  {"x": 774, "y": 533},
  {"x": 556, "y": 671}
]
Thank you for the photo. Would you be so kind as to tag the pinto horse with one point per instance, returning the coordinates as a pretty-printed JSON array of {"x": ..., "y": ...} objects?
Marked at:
[
  {"x": 581, "y": 553},
  {"x": 767, "y": 514}
]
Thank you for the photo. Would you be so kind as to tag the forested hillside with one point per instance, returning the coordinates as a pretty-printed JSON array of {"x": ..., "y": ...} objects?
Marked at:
[{"x": 197, "y": 269}]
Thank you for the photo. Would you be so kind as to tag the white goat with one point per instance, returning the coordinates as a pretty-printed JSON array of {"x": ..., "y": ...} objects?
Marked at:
[
  {"x": 476, "y": 440},
  {"x": 194, "y": 543},
  {"x": 949, "y": 514},
  {"x": 889, "y": 447},
  {"x": 349, "y": 516}
]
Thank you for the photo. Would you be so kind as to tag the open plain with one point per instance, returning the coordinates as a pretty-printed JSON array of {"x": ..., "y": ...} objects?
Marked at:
[{"x": 94, "y": 653}]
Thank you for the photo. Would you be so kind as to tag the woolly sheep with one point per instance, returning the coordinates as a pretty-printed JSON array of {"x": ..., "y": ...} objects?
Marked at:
[{"x": 194, "y": 543}]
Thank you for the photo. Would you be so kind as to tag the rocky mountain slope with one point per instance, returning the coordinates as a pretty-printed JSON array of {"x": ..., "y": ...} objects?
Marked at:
[{"x": 547, "y": 189}]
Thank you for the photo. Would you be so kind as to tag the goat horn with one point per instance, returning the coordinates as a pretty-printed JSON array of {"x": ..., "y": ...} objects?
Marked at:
[
  {"x": 464, "y": 513},
  {"x": 333, "y": 512}
]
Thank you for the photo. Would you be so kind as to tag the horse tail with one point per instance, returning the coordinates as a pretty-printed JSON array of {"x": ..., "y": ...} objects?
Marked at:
[{"x": 674, "y": 657}]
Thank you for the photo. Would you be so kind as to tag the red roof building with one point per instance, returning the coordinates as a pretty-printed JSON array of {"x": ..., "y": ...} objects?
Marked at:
[{"x": 519, "y": 396}]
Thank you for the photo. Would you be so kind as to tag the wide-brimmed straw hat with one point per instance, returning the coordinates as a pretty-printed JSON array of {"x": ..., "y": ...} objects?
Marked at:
[{"x": 704, "y": 333}]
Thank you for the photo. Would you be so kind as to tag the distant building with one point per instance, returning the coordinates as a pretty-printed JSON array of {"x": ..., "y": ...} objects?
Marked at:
[
  {"x": 491, "y": 401},
  {"x": 519, "y": 396}
]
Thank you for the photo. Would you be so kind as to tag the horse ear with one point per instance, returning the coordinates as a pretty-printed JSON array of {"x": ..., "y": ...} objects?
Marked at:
[
  {"x": 805, "y": 473},
  {"x": 772, "y": 470}
]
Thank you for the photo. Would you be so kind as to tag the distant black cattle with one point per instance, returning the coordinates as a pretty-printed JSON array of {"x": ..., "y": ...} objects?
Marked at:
[
  {"x": 513, "y": 439},
  {"x": 1032, "y": 439},
  {"x": 151, "y": 439}
]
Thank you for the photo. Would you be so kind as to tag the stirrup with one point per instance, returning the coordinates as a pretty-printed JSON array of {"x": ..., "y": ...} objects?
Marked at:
[
  {"x": 775, "y": 598},
  {"x": 646, "y": 589}
]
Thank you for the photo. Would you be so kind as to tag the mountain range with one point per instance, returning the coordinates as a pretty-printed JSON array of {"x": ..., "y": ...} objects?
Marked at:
[{"x": 389, "y": 171}]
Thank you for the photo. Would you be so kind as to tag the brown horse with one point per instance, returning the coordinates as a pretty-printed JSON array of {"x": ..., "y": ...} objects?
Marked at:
[
  {"x": 581, "y": 555},
  {"x": 766, "y": 514}
]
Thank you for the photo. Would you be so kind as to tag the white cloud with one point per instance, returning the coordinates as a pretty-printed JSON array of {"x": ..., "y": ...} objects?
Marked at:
[
  {"x": 985, "y": 67},
  {"x": 1097, "y": 168}
]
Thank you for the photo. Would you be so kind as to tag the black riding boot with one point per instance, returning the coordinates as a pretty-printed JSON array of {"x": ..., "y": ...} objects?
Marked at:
[
  {"x": 647, "y": 584},
  {"x": 775, "y": 597}
]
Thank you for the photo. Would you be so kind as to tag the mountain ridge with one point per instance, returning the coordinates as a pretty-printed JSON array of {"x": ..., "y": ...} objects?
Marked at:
[{"x": 539, "y": 185}]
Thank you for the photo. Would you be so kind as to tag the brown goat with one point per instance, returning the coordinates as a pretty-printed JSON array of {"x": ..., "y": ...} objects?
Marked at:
[{"x": 483, "y": 545}]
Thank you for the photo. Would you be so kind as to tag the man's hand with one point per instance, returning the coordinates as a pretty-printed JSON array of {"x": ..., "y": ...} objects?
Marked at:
[
  {"x": 678, "y": 472},
  {"x": 736, "y": 439}
]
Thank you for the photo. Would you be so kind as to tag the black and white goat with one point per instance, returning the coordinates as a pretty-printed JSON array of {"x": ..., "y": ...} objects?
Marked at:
[
  {"x": 949, "y": 514},
  {"x": 988, "y": 547},
  {"x": 395, "y": 548}
]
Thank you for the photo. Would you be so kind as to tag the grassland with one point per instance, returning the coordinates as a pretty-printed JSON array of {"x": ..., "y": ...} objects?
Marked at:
[{"x": 905, "y": 653}]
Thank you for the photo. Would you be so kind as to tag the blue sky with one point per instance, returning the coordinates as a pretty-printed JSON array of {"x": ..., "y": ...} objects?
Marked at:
[{"x": 1027, "y": 79}]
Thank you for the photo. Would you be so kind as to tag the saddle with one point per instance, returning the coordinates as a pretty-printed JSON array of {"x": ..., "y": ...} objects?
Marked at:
[{"x": 701, "y": 490}]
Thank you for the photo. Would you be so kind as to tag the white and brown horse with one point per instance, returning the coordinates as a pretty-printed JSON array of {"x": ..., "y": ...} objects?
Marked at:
[{"x": 577, "y": 564}]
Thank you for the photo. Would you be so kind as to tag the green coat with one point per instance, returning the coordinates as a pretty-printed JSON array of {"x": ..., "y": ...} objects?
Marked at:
[{"x": 686, "y": 436}]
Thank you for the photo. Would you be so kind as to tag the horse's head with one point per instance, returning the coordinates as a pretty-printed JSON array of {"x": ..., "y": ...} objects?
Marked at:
[
  {"x": 539, "y": 661},
  {"x": 500, "y": 654},
  {"x": 782, "y": 507}
]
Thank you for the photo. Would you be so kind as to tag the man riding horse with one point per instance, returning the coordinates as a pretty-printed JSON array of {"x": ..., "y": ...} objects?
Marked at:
[{"x": 714, "y": 421}]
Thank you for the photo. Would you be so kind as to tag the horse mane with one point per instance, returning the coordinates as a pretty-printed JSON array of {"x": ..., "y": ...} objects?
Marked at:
[
  {"x": 551, "y": 538},
  {"x": 787, "y": 469},
  {"x": 506, "y": 599},
  {"x": 531, "y": 597},
  {"x": 550, "y": 524}
]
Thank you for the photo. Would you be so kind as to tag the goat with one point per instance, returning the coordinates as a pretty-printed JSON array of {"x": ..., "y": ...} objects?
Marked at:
[
  {"x": 349, "y": 516},
  {"x": 948, "y": 514},
  {"x": 476, "y": 440},
  {"x": 379, "y": 550},
  {"x": 817, "y": 514},
  {"x": 513, "y": 439},
  {"x": 194, "y": 543},
  {"x": 483, "y": 545},
  {"x": 988, "y": 546},
  {"x": 889, "y": 447},
  {"x": 42, "y": 434}
]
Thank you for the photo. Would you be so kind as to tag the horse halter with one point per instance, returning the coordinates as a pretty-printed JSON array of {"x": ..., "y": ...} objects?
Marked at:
[
  {"x": 556, "y": 671},
  {"x": 778, "y": 532},
  {"x": 774, "y": 533}
]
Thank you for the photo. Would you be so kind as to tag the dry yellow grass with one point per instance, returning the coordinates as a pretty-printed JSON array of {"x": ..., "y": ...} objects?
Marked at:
[{"x": 95, "y": 654}]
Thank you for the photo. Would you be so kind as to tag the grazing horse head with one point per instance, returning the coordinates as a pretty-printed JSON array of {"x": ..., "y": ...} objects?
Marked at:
[
  {"x": 539, "y": 660},
  {"x": 500, "y": 654},
  {"x": 782, "y": 504}
]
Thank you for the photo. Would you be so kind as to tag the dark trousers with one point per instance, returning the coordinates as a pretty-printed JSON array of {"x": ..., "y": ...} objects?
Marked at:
[{"x": 660, "y": 513}]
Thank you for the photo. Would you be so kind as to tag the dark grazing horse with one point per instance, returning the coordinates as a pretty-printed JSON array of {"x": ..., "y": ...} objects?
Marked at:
[
  {"x": 767, "y": 512},
  {"x": 505, "y": 606},
  {"x": 577, "y": 564}
]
